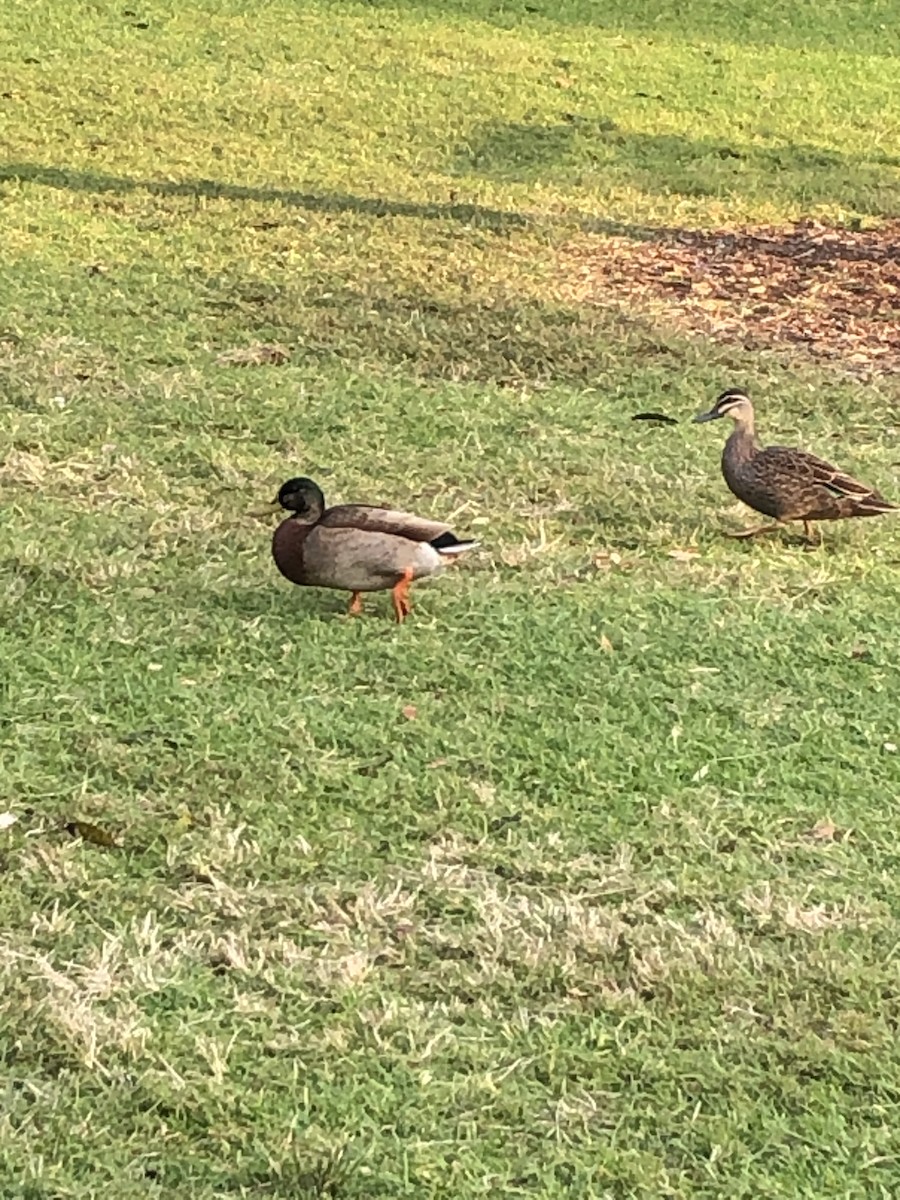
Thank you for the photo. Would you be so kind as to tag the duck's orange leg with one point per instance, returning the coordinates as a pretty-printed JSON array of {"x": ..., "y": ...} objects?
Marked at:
[
  {"x": 355, "y": 605},
  {"x": 400, "y": 596}
]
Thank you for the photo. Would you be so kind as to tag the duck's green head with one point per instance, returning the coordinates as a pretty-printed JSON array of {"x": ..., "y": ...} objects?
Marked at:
[
  {"x": 734, "y": 403},
  {"x": 301, "y": 496}
]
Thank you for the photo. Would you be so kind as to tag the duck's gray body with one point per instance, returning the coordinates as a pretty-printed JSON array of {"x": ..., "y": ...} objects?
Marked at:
[{"x": 357, "y": 547}]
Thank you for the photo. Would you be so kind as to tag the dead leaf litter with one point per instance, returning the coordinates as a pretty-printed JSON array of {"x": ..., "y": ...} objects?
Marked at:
[{"x": 833, "y": 293}]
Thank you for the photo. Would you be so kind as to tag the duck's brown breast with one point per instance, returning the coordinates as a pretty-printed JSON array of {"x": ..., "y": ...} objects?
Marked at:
[
  {"x": 746, "y": 476},
  {"x": 287, "y": 549}
]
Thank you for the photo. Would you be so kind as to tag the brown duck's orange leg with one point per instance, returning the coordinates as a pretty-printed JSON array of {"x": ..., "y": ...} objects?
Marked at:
[
  {"x": 749, "y": 533},
  {"x": 355, "y": 605},
  {"x": 400, "y": 596}
]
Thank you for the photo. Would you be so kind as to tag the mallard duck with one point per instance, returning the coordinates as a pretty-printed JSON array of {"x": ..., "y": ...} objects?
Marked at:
[
  {"x": 358, "y": 547},
  {"x": 787, "y": 484}
]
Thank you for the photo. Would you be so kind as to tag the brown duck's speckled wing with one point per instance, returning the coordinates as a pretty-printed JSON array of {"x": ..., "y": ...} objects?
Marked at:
[
  {"x": 810, "y": 487},
  {"x": 808, "y": 468},
  {"x": 370, "y": 519}
]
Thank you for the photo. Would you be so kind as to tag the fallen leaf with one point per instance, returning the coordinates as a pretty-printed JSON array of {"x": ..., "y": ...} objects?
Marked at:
[
  {"x": 409, "y": 711},
  {"x": 92, "y": 834},
  {"x": 824, "y": 830},
  {"x": 500, "y": 823},
  {"x": 655, "y": 416},
  {"x": 686, "y": 555},
  {"x": 605, "y": 644},
  {"x": 7, "y": 819},
  {"x": 195, "y": 875}
]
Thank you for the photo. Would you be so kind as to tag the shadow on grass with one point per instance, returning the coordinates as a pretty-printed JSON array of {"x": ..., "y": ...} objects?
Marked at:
[
  {"x": 473, "y": 339},
  {"x": 292, "y": 607},
  {"x": 498, "y": 220},
  {"x": 667, "y": 163},
  {"x": 852, "y": 27},
  {"x": 441, "y": 328},
  {"x": 656, "y": 164},
  {"x": 274, "y": 598},
  {"x": 326, "y": 202}
]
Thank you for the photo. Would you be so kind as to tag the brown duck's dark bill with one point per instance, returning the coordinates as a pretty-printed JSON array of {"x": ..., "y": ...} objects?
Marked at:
[{"x": 712, "y": 415}]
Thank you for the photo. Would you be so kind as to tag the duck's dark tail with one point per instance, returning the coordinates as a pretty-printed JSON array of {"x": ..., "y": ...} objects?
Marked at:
[
  {"x": 863, "y": 502},
  {"x": 854, "y": 499},
  {"x": 449, "y": 543},
  {"x": 872, "y": 505}
]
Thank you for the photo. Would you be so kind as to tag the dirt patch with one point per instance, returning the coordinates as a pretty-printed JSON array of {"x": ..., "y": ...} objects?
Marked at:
[{"x": 834, "y": 293}]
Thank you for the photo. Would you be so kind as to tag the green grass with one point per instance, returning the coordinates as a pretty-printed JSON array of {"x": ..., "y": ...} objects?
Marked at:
[{"x": 566, "y": 929}]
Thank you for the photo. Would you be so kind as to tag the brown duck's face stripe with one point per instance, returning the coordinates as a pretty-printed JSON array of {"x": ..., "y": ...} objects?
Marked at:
[
  {"x": 733, "y": 406},
  {"x": 731, "y": 403}
]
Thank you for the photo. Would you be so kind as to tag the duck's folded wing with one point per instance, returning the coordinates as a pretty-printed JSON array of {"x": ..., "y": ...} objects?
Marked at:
[
  {"x": 808, "y": 470},
  {"x": 383, "y": 520}
]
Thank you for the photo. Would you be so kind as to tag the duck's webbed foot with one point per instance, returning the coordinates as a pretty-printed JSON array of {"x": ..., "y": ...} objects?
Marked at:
[{"x": 749, "y": 533}]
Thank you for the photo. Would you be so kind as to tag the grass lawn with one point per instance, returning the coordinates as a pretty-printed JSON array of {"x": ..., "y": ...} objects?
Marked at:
[{"x": 583, "y": 882}]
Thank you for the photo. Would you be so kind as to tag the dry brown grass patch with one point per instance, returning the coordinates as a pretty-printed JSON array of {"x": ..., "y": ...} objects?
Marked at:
[{"x": 833, "y": 293}]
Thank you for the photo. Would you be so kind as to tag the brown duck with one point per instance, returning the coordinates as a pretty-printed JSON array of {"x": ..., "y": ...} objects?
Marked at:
[
  {"x": 787, "y": 484},
  {"x": 358, "y": 547}
]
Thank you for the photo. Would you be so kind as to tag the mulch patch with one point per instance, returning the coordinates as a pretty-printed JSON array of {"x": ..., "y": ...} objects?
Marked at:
[{"x": 834, "y": 293}]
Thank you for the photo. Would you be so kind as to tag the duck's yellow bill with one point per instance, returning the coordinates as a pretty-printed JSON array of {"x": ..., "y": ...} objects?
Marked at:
[{"x": 264, "y": 512}]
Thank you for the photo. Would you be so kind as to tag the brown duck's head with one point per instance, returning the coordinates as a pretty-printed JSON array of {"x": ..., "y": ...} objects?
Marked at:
[
  {"x": 734, "y": 403},
  {"x": 302, "y": 497}
]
